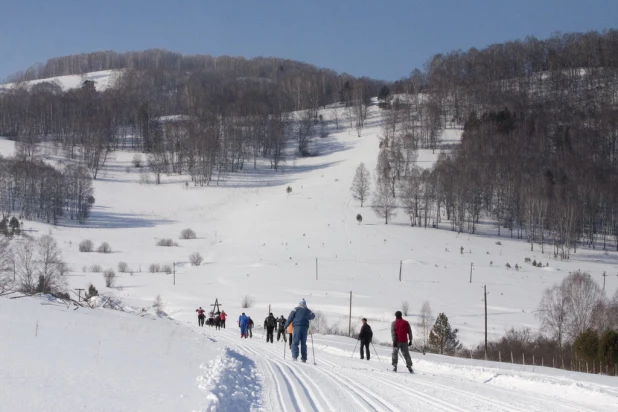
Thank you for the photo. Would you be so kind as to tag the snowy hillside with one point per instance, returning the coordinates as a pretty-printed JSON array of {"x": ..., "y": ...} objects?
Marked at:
[
  {"x": 257, "y": 240},
  {"x": 102, "y": 80}
]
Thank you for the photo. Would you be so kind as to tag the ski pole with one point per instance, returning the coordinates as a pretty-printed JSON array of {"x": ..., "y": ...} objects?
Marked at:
[
  {"x": 374, "y": 349},
  {"x": 354, "y": 350},
  {"x": 284, "y": 345},
  {"x": 312, "y": 348}
]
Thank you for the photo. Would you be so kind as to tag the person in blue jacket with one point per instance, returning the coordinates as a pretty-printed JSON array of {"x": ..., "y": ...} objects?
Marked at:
[
  {"x": 299, "y": 318},
  {"x": 243, "y": 320}
]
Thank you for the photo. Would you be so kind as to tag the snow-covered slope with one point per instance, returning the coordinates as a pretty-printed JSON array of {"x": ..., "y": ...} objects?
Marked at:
[
  {"x": 102, "y": 80},
  {"x": 56, "y": 357},
  {"x": 275, "y": 247}
]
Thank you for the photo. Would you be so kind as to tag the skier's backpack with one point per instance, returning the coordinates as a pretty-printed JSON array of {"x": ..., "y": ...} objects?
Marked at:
[
  {"x": 369, "y": 333},
  {"x": 271, "y": 322}
]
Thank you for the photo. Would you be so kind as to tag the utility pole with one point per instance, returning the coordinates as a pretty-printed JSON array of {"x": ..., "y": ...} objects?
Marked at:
[
  {"x": 174, "y": 264},
  {"x": 485, "y": 293},
  {"x": 79, "y": 294},
  {"x": 604, "y": 276},
  {"x": 350, "y": 317},
  {"x": 471, "y": 264},
  {"x": 400, "y": 265}
]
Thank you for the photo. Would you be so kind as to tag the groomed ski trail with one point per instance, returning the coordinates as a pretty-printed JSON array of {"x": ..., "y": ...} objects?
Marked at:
[{"x": 338, "y": 383}]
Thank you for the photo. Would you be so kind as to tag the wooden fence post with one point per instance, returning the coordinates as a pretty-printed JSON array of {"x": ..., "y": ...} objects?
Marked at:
[
  {"x": 499, "y": 356},
  {"x": 523, "y": 358},
  {"x": 512, "y": 357}
]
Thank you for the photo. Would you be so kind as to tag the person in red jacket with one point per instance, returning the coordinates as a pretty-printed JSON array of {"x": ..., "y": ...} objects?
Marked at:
[
  {"x": 401, "y": 333},
  {"x": 200, "y": 316},
  {"x": 222, "y": 317}
]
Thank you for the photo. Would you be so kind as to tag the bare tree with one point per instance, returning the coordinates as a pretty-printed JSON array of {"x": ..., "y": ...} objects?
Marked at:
[
  {"x": 384, "y": 202},
  {"x": 6, "y": 260},
  {"x": 25, "y": 267},
  {"x": 158, "y": 305},
  {"x": 405, "y": 307},
  {"x": 552, "y": 313},
  {"x": 361, "y": 184},
  {"x": 583, "y": 296},
  {"x": 49, "y": 262},
  {"x": 425, "y": 324}
]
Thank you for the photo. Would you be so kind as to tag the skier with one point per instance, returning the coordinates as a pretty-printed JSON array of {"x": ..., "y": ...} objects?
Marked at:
[
  {"x": 200, "y": 317},
  {"x": 299, "y": 318},
  {"x": 217, "y": 321},
  {"x": 290, "y": 334},
  {"x": 250, "y": 327},
  {"x": 365, "y": 337},
  {"x": 281, "y": 329},
  {"x": 401, "y": 332},
  {"x": 211, "y": 319},
  {"x": 242, "y": 323},
  {"x": 222, "y": 317},
  {"x": 269, "y": 324}
]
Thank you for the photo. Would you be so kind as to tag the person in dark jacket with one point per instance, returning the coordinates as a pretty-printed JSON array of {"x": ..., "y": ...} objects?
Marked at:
[
  {"x": 250, "y": 325},
  {"x": 269, "y": 324},
  {"x": 365, "y": 337},
  {"x": 300, "y": 318},
  {"x": 281, "y": 329},
  {"x": 401, "y": 332}
]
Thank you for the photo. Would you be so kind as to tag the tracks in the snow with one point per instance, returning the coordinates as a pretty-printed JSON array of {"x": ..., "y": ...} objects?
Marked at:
[{"x": 331, "y": 386}]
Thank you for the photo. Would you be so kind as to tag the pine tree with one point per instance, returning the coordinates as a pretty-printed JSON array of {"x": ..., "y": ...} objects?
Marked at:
[
  {"x": 586, "y": 345},
  {"x": 608, "y": 347},
  {"x": 442, "y": 338}
]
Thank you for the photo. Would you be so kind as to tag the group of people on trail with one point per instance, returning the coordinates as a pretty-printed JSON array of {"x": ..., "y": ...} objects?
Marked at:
[
  {"x": 296, "y": 327},
  {"x": 216, "y": 319},
  {"x": 401, "y": 334}
]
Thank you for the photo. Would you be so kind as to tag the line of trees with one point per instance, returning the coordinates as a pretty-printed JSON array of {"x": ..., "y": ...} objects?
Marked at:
[
  {"x": 539, "y": 151},
  {"x": 198, "y": 115},
  {"x": 35, "y": 190}
]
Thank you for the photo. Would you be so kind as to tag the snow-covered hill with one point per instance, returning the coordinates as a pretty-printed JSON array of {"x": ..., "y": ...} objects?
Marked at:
[
  {"x": 259, "y": 241},
  {"x": 102, "y": 79}
]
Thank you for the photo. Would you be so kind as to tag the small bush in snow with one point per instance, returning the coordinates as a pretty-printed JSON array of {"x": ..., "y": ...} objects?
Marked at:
[
  {"x": 246, "y": 302},
  {"x": 123, "y": 267},
  {"x": 508, "y": 266},
  {"x": 499, "y": 243},
  {"x": 86, "y": 246},
  {"x": 110, "y": 278},
  {"x": 534, "y": 262},
  {"x": 104, "y": 248},
  {"x": 188, "y": 234},
  {"x": 158, "y": 304},
  {"x": 137, "y": 160},
  {"x": 154, "y": 268},
  {"x": 289, "y": 190},
  {"x": 96, "y": 269},
  {"x": 405, "y": 307},
  {"x": 196, "y": 259},
  {"x": 167, "y": 269},
  {"x": 359, "y": 218},
  {"x": 166, "y": 242}
]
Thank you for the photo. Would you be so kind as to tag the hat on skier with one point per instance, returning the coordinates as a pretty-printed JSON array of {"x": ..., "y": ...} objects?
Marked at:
[
  {"x": 364, "y": 319},
  {"x": 302, "y": 302}
]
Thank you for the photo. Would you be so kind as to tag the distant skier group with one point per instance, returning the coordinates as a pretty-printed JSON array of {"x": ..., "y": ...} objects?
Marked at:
[
  {"x": 296, "y": 327},
  {"x": 216, "y": 319}
]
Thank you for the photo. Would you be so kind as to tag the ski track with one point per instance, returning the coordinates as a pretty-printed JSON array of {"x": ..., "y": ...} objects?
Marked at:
[{"x": 291, "y": 386}]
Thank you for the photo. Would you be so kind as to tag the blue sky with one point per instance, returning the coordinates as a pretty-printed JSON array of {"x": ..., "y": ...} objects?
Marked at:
[{"x": 383, "y": 39}]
